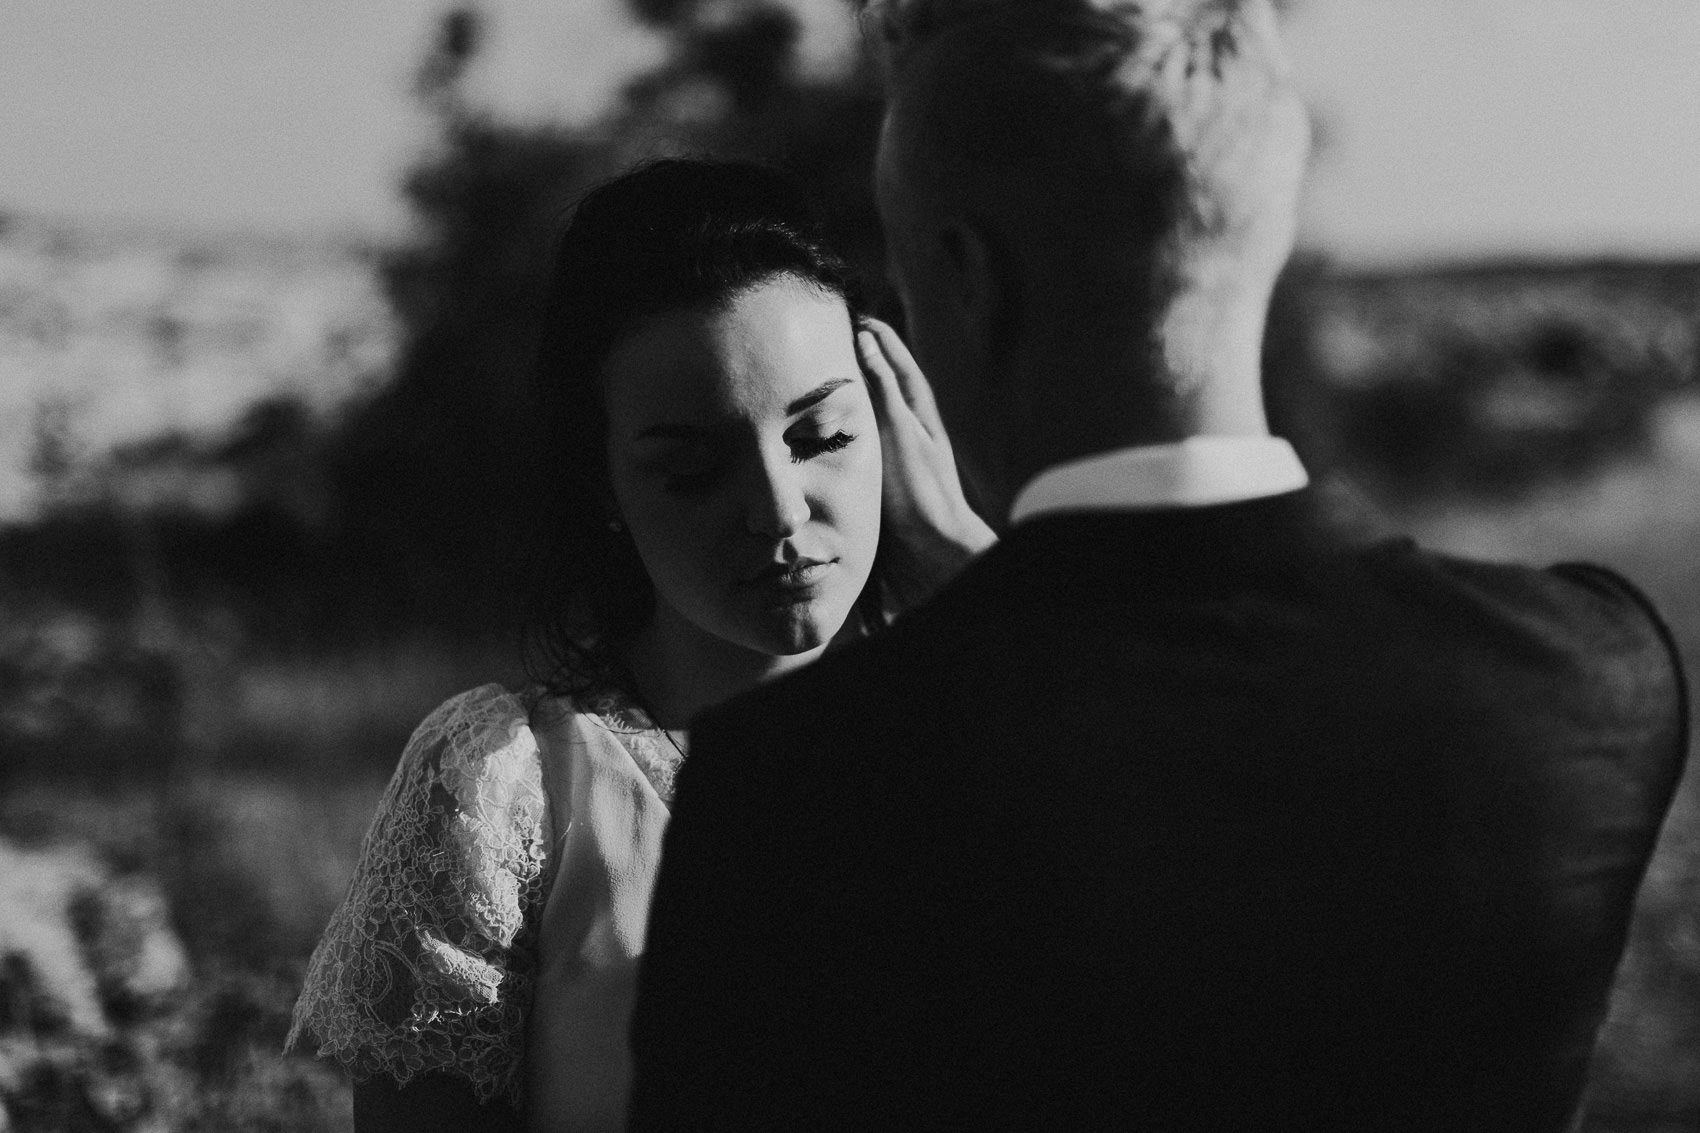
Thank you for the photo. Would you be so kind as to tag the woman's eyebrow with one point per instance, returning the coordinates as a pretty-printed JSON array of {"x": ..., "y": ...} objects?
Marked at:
[
  {"x": 670, "y": 431},
  {"x": 817, "y": 395}
]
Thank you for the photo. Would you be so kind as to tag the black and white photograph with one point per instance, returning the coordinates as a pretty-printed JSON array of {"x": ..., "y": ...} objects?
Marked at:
[{"x": 592, "y": 565}]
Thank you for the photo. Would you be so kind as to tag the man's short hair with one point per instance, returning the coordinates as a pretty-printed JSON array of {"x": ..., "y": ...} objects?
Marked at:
[{"x": 1095, "y": 119}]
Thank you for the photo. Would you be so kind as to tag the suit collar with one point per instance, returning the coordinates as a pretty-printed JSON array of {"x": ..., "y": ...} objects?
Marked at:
[
  {"x": 1292, "y": 531},
  {"x": 1204, "y": 471}
]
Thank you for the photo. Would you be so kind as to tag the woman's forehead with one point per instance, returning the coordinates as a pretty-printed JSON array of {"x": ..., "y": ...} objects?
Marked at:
[{"x": 764, "y": 354}]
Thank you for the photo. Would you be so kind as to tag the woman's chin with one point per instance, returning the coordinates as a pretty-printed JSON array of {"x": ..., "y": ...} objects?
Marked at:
[
  {"x": 803, "y": 629},
  {"x": 797, "y": 641}
]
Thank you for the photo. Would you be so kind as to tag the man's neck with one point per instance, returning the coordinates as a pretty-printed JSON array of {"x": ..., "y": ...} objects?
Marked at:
[
  {"x": 1198, "y": 373},
  {"x": 1212, "y": 354}
]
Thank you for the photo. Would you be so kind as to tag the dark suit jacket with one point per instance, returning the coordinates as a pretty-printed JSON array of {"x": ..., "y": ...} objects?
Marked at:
[{"x": 1192, "y": 819}]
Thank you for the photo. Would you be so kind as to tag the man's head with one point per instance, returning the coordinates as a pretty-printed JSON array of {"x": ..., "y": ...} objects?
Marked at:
[{"x": 1087, "y": 204}]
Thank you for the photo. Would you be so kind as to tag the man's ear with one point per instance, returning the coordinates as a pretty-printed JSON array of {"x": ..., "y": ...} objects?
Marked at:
[{"x": 976, "y": 285}]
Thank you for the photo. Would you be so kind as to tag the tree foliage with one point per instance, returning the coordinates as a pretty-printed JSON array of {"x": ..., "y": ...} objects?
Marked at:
[{"x": 432, "y": 483}]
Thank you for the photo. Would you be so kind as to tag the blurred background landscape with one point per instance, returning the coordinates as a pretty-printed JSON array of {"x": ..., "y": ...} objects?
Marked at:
[{"x": 262, "y": 360}]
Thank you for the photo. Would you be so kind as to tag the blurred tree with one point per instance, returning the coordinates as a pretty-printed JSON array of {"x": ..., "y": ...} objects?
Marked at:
[
  {"x": 733, "y": 88},
  {"x": 428, "y": 476},
  {"x": 55, "y": 456},
  {"x": 1492, "y": 381},
  {"x": 433, "y": 511}
]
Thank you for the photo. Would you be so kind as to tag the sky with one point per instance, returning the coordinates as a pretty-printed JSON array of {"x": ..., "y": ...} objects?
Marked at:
[
  {"x": 1480, "y": 128},
  {"x": 1452, "y": 129}
]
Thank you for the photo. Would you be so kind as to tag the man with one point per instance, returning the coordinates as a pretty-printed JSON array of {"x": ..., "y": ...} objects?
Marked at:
[{"x": 1174, "y": 810}]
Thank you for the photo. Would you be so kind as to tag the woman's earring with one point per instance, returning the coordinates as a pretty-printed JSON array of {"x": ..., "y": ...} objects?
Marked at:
[{"x": 616, "y": 526}]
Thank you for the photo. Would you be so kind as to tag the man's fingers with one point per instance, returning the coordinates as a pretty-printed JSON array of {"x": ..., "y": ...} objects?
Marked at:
[
  {"x": 886, "y": 392},
  {"x": 917, "y": 393}
]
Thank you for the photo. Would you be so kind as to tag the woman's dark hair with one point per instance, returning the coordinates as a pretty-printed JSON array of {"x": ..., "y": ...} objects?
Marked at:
[{"x": 668, "y": 235}]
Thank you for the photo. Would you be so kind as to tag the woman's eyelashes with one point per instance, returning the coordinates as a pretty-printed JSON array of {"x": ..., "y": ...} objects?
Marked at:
[
  {"x": 696, "y": 468},
  {"x": 809, "y": 447}
]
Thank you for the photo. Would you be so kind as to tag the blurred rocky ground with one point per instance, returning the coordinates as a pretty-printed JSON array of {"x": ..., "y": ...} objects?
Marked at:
[{"x": 106, "y": 1024}]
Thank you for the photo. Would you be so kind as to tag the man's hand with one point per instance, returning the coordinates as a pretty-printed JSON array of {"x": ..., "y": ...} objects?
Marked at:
[{"x": 927, "y": 530}]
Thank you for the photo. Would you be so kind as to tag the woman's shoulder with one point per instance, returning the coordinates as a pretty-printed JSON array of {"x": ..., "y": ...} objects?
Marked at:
[
  {"x": 474, "y": 759},
  {"x": 489, "y": 735},
  {"x": 609, "y": 719},
  {"x": 483, "y": 724},
  {"x": 427, "y": 964}
]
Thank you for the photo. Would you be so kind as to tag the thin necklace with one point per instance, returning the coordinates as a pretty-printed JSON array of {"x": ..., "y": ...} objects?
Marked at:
[
  {"x": 627, "y": 678},
  {"x": 673, "y": 743}
]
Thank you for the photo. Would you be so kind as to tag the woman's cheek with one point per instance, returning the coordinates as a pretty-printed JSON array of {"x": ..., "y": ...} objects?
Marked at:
[
  {"x": 872, "y": 471},
  {"x": 859, "y": 501},
  {"x": 693, "y": 530},
  {"x": 662, "y": 527}
]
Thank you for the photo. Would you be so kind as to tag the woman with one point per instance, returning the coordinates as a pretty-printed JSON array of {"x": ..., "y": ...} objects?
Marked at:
[{"x": 720, "y": 458}]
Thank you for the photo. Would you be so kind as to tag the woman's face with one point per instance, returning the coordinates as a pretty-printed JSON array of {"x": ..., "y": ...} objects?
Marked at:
[{"x": 745, "y": 462}]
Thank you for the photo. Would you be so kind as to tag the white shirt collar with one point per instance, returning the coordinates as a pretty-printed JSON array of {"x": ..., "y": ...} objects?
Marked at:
[{"x": 1196, "y": 472}]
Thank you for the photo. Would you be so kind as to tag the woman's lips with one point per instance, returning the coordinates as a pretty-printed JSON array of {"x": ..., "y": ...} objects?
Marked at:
[{"x": 799, "y": 574}]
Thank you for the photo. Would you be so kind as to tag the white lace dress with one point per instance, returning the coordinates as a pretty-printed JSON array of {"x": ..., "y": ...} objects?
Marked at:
[{"x": 493, "y": 926}]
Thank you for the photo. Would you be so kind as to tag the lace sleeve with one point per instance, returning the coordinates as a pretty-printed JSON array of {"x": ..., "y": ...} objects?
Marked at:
[{"x": 428, "y": 963}]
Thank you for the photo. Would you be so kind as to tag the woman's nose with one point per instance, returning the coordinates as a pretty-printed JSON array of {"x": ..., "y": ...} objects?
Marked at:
[{"x": 777, "y": 507}]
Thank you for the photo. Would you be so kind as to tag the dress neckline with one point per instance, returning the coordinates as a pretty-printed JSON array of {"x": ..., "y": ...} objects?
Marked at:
[{"x": 656, "y": 754}]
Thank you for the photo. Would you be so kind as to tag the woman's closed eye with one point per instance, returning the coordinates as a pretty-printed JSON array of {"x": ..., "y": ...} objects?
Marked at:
[
  {"x": 809, "y": 447},
  {"x": 695, "y": 467}
]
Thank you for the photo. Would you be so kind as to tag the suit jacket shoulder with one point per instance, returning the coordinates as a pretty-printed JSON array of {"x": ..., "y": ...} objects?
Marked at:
[
  {"x": 1294, "y": 812},
  {"x": 1608, "y": 633}
]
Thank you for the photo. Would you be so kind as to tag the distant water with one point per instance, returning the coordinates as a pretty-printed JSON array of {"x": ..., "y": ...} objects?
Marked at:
[{"x": 115, "y": 337}]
